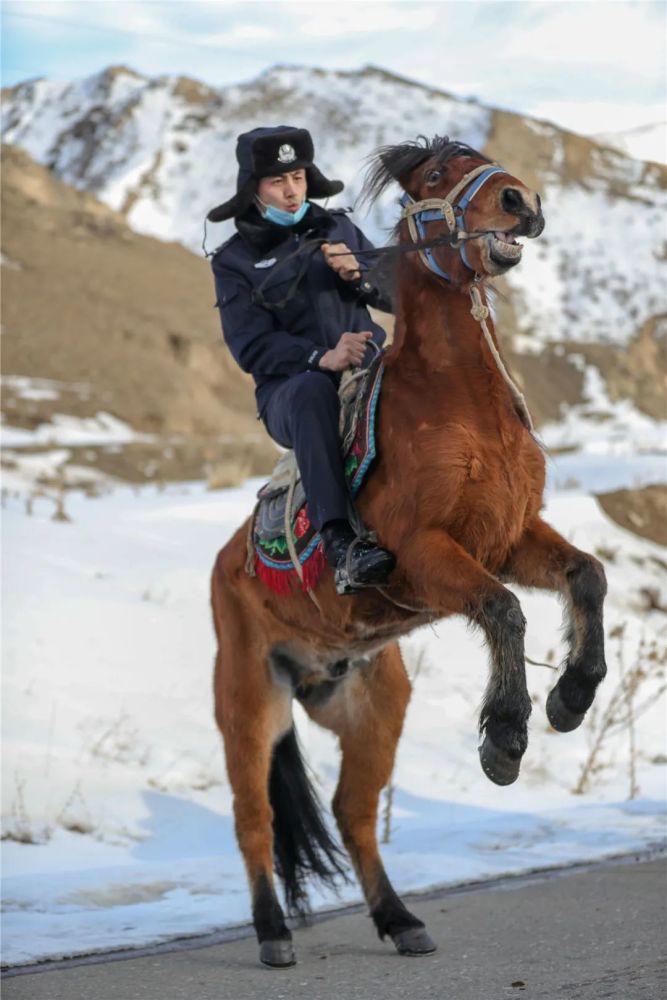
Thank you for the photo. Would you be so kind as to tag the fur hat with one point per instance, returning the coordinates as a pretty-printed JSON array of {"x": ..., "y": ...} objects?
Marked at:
[{"x": 268, "y": 152}]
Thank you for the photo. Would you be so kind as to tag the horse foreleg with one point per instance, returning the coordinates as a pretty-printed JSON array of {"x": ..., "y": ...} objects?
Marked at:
[
  {"x": 444, "y": 577},
  {"x": 544, "y": 559},
  {"x": 367, "y": 713}
]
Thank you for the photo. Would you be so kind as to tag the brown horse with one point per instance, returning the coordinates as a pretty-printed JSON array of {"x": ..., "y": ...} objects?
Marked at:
[{"x": 456, "y": 494}]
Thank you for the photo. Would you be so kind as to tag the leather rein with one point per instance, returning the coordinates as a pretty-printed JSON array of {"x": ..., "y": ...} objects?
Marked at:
[{"x": 417, "y": 214}]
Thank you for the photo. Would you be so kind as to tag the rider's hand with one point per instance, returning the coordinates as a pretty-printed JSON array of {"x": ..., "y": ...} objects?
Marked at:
[
  {"x": 348, "y": 352},
  {"x": 346, "y": 267}
]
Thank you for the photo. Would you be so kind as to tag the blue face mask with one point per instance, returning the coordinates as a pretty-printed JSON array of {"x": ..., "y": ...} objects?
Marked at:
[{"x": 282, "y": 218}]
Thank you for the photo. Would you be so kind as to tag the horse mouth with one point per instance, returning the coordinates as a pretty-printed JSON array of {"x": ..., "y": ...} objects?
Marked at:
[{"x": 504, "y": 249}]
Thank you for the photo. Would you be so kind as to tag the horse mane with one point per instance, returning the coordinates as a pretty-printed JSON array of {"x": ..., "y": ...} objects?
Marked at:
[{"x": 388, "y": 164}]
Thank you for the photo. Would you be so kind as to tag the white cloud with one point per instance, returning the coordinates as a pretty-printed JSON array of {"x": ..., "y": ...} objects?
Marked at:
[
  {"x": 589, "y": 66},
  {"x": 375, "y": 17},
  {"x": 621, "y": 34},
  {"x": 590, "y": 117}
]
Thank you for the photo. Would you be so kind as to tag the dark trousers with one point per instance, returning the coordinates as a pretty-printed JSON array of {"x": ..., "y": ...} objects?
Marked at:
[{"x": 303, "y": 414}]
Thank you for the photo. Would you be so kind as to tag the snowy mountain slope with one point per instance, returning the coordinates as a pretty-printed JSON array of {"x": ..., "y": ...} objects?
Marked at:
[
  {"x": 644, "y": 142},
  {"x": 161, "y": 152}
]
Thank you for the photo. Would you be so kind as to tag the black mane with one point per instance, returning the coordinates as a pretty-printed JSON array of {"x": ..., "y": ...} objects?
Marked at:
[{"x": 389, "y": 163}]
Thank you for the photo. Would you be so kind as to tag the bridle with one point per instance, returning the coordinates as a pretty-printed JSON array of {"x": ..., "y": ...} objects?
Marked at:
[{"x": 418, "y": 213}]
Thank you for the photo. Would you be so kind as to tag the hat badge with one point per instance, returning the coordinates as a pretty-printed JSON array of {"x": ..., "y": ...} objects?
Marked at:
[{"x": 286, "y": 154}]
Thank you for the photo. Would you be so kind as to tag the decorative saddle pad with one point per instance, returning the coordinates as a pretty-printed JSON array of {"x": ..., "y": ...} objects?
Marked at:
[{"x": 270, "y": 556}]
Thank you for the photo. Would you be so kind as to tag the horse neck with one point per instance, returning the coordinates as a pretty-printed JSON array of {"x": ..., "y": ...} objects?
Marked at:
[{"x": 434, "y": 324}]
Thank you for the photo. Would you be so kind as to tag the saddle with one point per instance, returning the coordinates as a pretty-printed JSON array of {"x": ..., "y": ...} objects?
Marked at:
[{"x": 283, "y": 546}]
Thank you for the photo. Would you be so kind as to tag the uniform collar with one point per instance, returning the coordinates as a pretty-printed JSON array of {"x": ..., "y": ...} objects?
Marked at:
[{"x": 261, "y": 236}]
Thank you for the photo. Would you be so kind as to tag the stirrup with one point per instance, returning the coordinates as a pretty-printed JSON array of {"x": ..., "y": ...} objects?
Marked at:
[{"x": 344, "y": 578}]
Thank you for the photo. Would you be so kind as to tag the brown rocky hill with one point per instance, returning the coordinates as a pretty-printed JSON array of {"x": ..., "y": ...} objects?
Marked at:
[
  {"x": 586, "y": 307},
  {"x": 123, "y": 324}
]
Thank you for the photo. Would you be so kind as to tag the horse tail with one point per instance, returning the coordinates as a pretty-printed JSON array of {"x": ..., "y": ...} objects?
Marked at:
[{"x": 302, "y": 844}]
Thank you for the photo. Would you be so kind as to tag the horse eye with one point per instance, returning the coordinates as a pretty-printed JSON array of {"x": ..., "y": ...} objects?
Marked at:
[{"x": 433, "y": 176}]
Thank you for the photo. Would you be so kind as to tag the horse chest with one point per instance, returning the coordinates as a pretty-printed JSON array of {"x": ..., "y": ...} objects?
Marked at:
[{"x": 482, "y": 492}]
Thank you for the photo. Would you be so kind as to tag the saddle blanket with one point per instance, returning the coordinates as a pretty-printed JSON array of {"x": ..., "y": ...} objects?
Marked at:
[{"x": 269, "y": 556}]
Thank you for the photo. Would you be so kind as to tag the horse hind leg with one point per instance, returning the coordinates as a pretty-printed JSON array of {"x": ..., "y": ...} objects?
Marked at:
[
  {"x": 253, "y": 715},
  {"x": 366, "y": 711},
  {"x": 251, "y": 738}
]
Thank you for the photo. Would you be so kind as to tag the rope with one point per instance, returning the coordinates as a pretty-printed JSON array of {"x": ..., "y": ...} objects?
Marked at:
[
  {"x": 400, "y": 604},
  {"x": 291, "y": 548},
  {"x": 538, "y": 663},
  {"x": 250, "y": 548},
  {"x": 480, "y": 312}
]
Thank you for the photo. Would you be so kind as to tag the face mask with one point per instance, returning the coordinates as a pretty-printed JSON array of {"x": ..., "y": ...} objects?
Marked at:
[{"x": 282, "y": 218}]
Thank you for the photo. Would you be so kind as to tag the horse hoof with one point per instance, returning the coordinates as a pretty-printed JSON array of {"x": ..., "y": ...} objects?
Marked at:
[
  {"x": 414, "y": 941},
  {"x": 277, "y": 954},
  {"x": 559, "y": 715},
  {"x": 497, "y": 765}
]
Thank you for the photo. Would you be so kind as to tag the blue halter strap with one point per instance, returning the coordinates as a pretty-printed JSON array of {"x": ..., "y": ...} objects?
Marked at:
[{"x": 437, "y": 209}]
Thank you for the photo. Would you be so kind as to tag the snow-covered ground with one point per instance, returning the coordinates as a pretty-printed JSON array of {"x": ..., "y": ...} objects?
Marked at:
[{"x": 116, "y": 802}]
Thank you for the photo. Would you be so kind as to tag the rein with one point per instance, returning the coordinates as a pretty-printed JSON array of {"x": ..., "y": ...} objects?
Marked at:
[
  {"x": 417, "y": 214},
  {"x": 308, "y": 248}
]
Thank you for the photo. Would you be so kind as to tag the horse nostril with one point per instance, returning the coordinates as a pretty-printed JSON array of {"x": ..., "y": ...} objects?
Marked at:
[{"x": 512, "y": 201}]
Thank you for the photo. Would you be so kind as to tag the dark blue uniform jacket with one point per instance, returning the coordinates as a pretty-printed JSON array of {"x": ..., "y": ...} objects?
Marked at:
[{"x": 271, "y": 341}]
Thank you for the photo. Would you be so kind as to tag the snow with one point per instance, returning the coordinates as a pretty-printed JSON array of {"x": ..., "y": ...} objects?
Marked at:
[
  {"x": 596, "y": 274},
  {"x": 171, "y": 158},
  {"x": 645, "y": 142},
  {"x": 116, "y": 801},
  {"x": 103, "y": 428},
  {"x": 598, "y": 426}
]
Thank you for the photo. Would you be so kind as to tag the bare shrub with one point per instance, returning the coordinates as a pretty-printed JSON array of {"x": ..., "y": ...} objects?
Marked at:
[{"x": 623, "y": 710}]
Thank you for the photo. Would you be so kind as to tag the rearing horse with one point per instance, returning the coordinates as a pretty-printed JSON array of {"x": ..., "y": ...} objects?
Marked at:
[{"x": 456, "y": 495}]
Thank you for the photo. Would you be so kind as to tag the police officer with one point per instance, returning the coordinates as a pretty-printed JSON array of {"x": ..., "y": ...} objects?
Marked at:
[{"x": 295, "y": 321}]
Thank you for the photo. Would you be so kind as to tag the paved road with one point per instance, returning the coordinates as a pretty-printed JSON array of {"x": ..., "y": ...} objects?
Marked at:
[{"x": 597, "y": 934}]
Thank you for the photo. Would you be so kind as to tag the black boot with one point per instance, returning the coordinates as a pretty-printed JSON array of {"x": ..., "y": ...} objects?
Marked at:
[{"x": 357, "y": 564}]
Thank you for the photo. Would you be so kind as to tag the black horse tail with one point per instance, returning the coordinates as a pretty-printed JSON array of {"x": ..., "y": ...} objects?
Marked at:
[{"x": 303, "y": 846}]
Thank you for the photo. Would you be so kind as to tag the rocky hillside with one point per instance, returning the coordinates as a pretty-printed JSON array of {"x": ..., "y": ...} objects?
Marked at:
[
  {"x": 119, "y": 324},
  {"x": 588, "y": 298}
]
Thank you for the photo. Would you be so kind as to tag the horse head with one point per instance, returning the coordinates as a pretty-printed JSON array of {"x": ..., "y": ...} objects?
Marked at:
[{"x": 455, "y": 195}]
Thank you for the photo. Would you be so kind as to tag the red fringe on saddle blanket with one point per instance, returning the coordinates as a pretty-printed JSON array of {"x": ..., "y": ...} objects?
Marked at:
[
  {"x": 269, "y": 557},
  {"x": 282, "y": 583}
]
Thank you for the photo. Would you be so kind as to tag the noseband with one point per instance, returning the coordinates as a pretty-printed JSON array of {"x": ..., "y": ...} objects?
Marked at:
[{"x": 453, "y": 212}]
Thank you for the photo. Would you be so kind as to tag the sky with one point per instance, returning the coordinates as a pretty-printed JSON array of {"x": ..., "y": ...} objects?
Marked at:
[{"x": 588, "y": 65}]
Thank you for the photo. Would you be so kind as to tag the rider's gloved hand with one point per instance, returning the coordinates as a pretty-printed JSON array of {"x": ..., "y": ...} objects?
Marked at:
[{"x": 348, "y": 353}]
